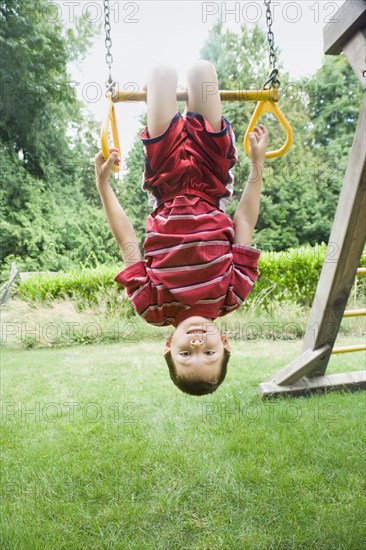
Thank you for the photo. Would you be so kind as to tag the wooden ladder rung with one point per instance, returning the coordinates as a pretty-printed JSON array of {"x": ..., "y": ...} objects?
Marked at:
[
  {"x": 354, "y": 313},
  {"x": 349, "y": 349}
]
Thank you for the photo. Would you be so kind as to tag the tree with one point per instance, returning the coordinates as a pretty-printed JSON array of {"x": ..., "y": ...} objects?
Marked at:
[
  {"x": 38, "y": 102},
  {"x": 51, "y": 216}
]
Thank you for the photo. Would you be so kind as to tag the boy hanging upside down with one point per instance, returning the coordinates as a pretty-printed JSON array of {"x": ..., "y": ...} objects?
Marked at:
[{"x": 198, "y": 264}]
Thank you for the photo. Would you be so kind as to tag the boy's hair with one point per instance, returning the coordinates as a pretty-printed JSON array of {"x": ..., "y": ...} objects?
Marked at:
[{"x": 196, "y": 387}]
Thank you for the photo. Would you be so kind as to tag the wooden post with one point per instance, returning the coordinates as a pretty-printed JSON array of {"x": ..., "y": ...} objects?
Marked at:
[
  {"x": 5, "y": 291},
  {"x": 347, "y": 240}
]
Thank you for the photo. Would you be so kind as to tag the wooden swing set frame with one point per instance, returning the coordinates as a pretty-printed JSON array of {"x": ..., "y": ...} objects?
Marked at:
[{"x": 306, "y": 374}]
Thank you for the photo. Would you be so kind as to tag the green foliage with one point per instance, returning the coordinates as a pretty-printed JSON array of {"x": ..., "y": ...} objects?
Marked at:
[
  {"x": 334, "y": 99},
  {"x": 39, "y": 105},
  {"x": 51, "y": 216},
  {"x": 77, "y": 284},
  {"x": 291, "y": 275},
  {"x": 133, "y": 198},
  {"x": 50, "y": 228},
  {"x": 84, "y": 286}
]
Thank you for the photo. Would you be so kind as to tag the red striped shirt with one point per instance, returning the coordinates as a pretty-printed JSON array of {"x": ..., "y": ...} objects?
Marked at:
[{"x": 191, "y": 265}]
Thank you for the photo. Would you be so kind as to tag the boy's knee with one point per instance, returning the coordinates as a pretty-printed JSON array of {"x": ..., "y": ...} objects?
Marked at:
[
  {"x": 163, "y": 73},
  {"x": 202, "y": 68}
]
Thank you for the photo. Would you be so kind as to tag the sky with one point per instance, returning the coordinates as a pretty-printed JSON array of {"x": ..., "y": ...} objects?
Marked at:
[{"x": 151, "y": 32}]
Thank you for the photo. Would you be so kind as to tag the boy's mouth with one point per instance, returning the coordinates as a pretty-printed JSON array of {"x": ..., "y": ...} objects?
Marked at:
[{"x": 196, "y": 331}]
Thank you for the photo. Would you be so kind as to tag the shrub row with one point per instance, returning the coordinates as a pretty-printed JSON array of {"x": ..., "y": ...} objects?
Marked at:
[{"x": 291, "y": 275}]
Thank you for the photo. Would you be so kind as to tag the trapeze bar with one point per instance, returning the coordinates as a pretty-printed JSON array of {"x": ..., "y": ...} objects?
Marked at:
[
  {"x": 361, "y": 271},
  {"x": 226, "y": 95},
  {"x": 348, "y": 349}
]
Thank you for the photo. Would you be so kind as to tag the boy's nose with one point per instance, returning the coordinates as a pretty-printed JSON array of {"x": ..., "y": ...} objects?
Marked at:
[{"x": 196, "y": 342}]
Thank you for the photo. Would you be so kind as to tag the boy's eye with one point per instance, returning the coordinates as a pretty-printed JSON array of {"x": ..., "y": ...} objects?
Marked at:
[{"x": 188, "y": 353}]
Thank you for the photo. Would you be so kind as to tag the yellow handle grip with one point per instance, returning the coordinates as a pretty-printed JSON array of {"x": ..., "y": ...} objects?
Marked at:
[
  {"x": 110, "y": 120},
  {"x": 269, "y": 107}
]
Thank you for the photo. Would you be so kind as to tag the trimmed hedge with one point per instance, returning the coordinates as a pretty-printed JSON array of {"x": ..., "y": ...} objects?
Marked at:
[
  {"x": 86, "y": 287},
  {"x": 79, "y": 284},
  {"x": 291, "y": 275}
]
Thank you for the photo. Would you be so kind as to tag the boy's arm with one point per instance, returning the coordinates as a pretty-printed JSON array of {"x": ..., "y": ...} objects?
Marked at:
[
  {"x": 119, "y": 223},
  {"x": 246, "y": 214}
]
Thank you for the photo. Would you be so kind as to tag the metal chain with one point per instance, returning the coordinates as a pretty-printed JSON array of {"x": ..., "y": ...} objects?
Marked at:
[
  {"x": 270, "y": 35},
  {"x": 272, "y": 54},
  {"x": 108, "y": 42}
]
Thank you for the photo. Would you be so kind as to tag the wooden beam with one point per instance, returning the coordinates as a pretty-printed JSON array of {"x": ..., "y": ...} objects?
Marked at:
[
  {"x": 355, "y": 51},
  {"x": 349, "y": 18},
  {"x": 349, "y": 381},
  {"x": 344, "y": 251},
  {"x": 301, "y": 366}
]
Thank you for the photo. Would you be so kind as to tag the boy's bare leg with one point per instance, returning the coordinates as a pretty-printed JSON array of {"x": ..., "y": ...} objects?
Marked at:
[
  {"x": 161, "y": 99},
  {"x": 203, "y": 93}
]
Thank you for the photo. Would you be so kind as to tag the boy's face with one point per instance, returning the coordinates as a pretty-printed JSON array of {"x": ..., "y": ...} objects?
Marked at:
[{"x": 197, "y": 349}]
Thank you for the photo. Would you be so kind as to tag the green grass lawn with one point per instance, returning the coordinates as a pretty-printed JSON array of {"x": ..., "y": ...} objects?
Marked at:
[{"x": 101, "y": 451}]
